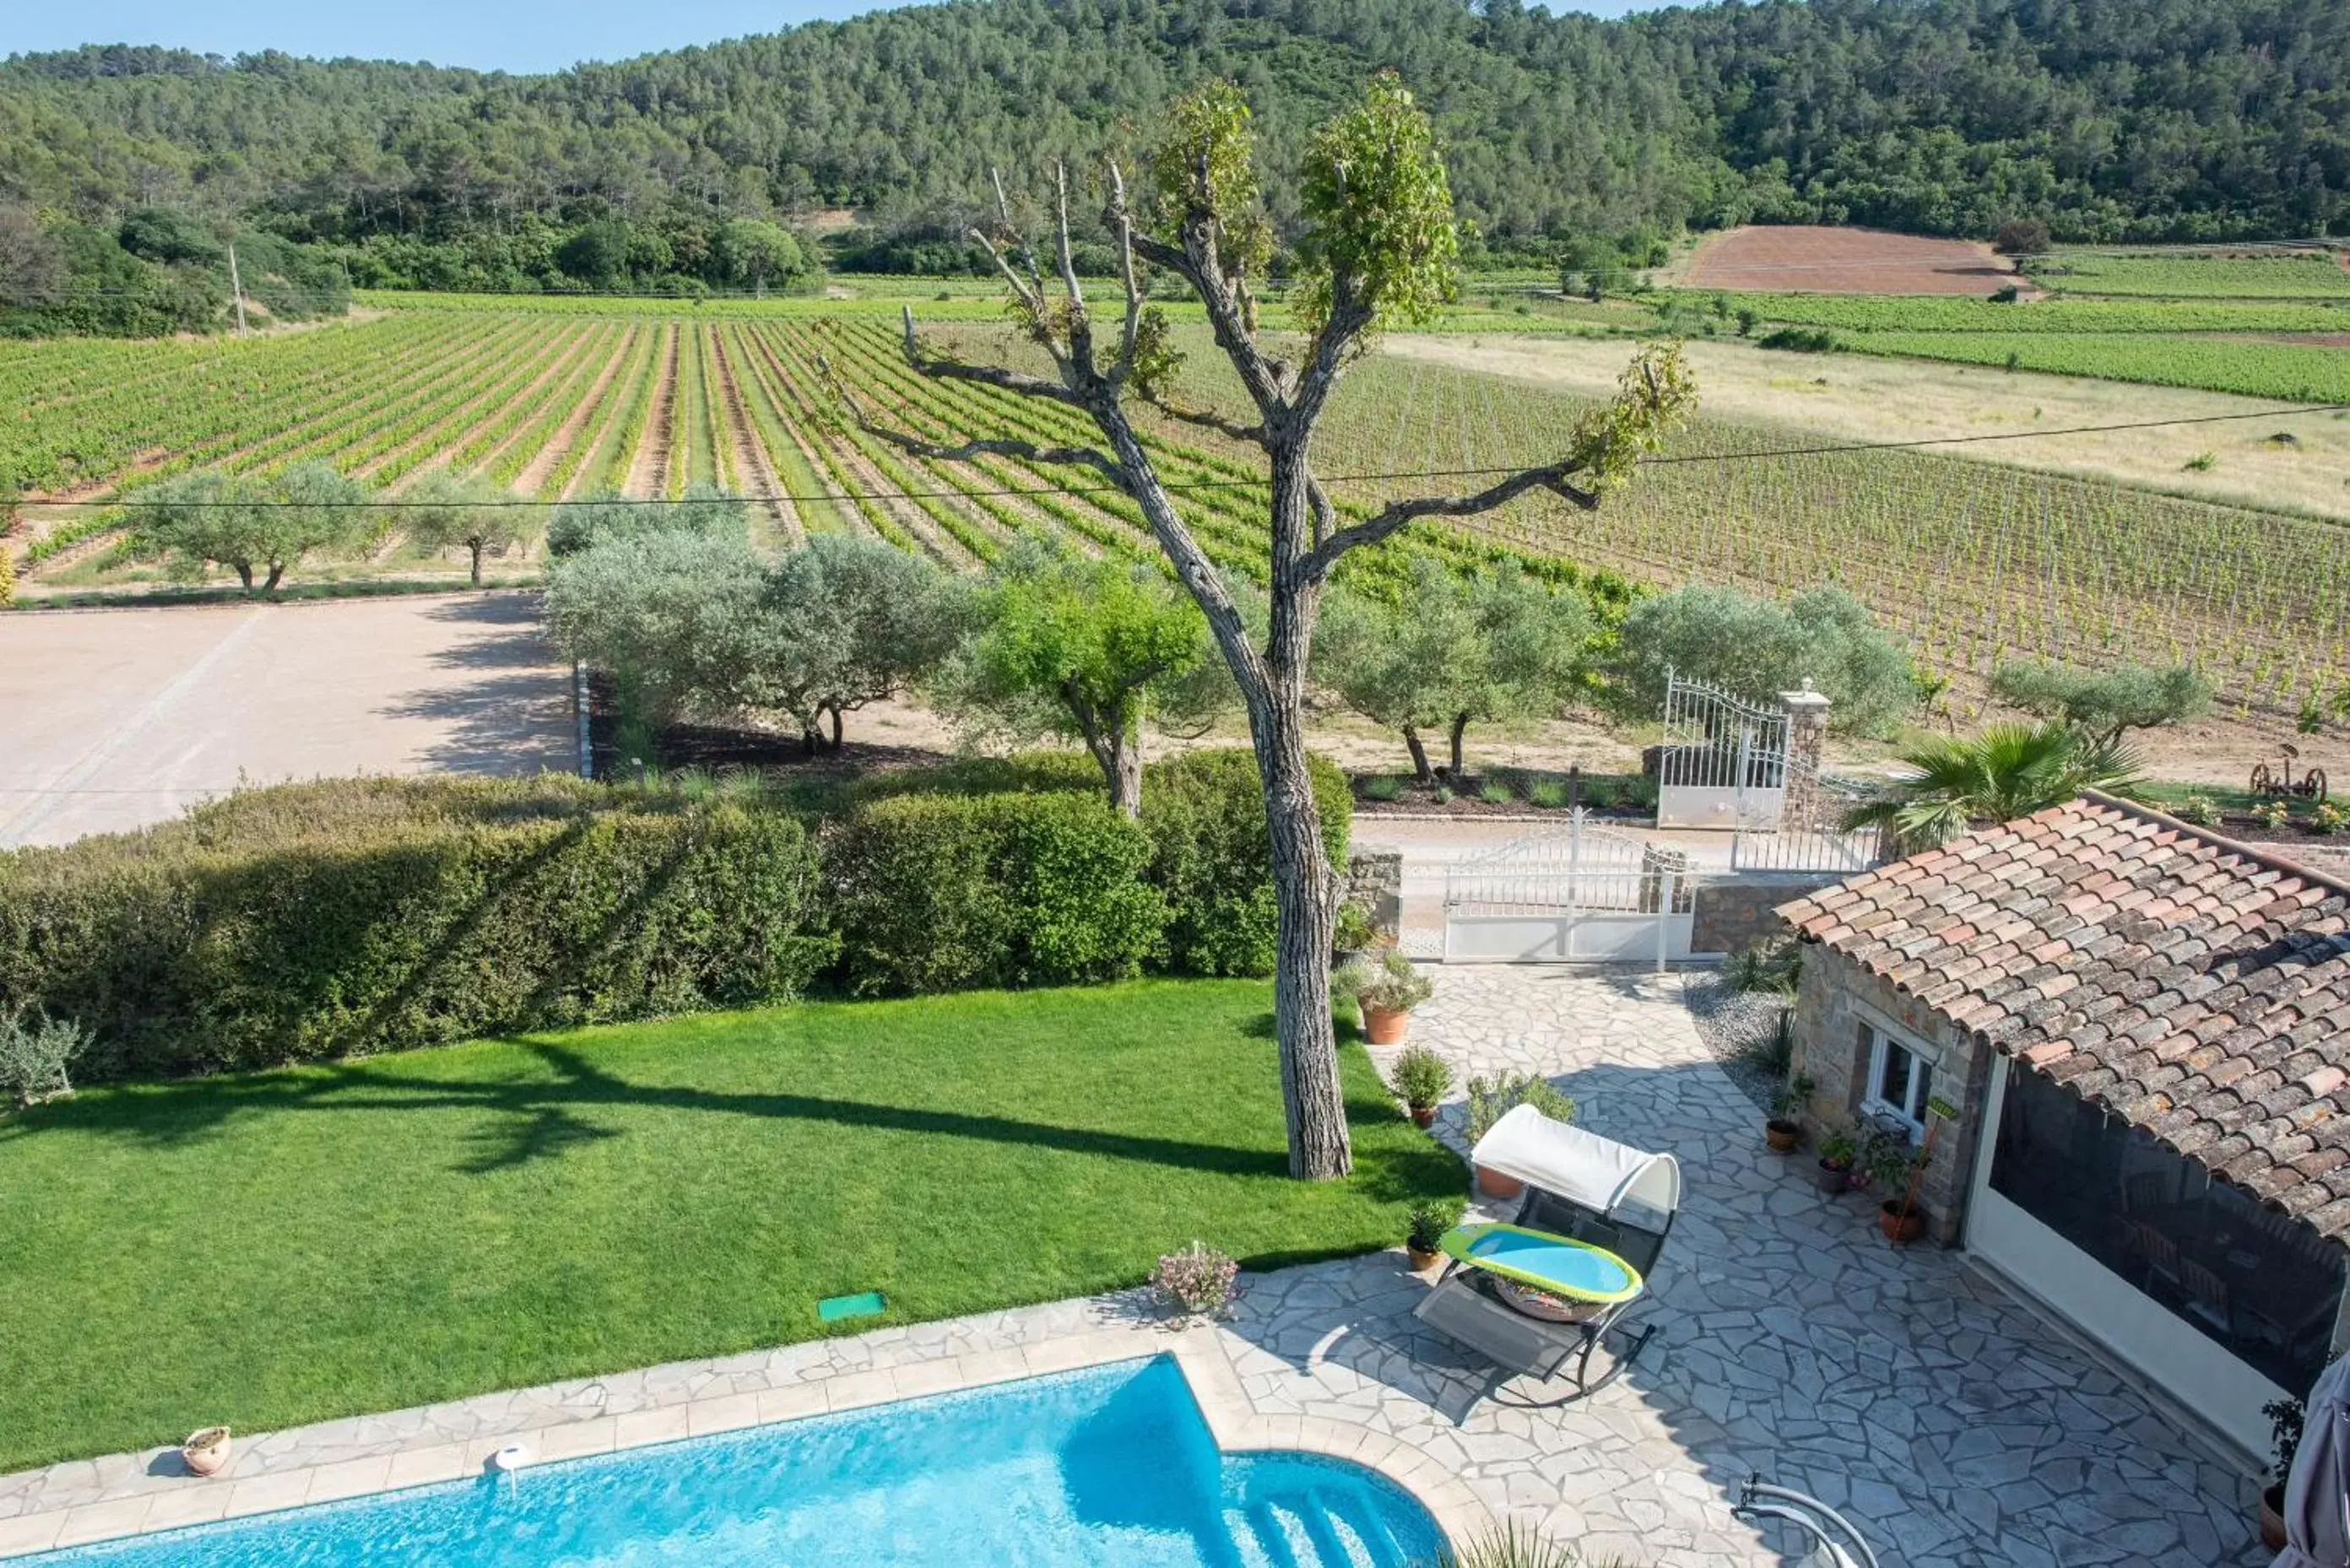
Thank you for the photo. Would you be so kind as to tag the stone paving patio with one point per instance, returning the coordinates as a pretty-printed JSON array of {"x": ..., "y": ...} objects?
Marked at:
[{"x": 1950, "y": 1421}]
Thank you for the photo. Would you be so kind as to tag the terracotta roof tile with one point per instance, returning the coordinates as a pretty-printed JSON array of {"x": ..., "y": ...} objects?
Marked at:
[{"x": 2194, "y": 986}]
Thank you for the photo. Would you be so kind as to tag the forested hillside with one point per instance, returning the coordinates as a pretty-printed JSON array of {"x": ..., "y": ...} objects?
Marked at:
[{"x": 2111, "y": 118}]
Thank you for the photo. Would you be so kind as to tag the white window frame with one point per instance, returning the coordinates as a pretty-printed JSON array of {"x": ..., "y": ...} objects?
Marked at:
[{"x": 1911, "y": 1115}]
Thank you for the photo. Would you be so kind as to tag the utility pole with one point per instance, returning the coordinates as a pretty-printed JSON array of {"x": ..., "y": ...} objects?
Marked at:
[{"x": 236, "y": 287}]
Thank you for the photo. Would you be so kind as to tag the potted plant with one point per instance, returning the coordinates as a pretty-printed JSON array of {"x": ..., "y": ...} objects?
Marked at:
[
  {"x": 1783, "y": 1132},
  {"x": 205, "y": 1453},
  {"x": 1893, "y": 1166},
  {"x": 1387, "y": 991},
  {"x": 1838, "y": 1149},
  {"x": 1490, "y": 1099},
  {"x": 2285, "y": 1418},
  {"x": 1197, "y": 1284},
  {"x": 1423, "y": 1243},
  {"x": 1421, "y": 1081}
]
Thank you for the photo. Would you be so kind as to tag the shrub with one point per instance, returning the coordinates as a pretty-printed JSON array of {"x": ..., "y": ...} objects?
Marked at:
[
  {"x": 1198, "y": 1281},
  {"x": 353, "y": 916},
  {"x": 1494, "y": 792},
  {"x": 944, "y": 892},
  {"x": 1354, "y": 929},
  {"x": 1490, "y": 1099},
  {"x": 1775, "y": 964},
  {"x": 1382, "y": 787},
  {"x": 2271, "y": 814},
  {"x": 1551, "y": 794},
  {"x": 2328, "y": 819},
  {"x": 2020, "y": 237},
  {"x": 1211, "y": 857},
  {"x": 1421, "y": 1077},
  {"x": 2199, "y": 809},
  {"x": 1800, "y": 340},
  {"x": 34, "y": 1057}
]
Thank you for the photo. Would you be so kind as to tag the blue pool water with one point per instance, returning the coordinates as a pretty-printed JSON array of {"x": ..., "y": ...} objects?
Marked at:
[{"x": 1111, "y": 1467}]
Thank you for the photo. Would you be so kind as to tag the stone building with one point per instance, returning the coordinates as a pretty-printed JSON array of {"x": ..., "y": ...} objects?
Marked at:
[{"x": 2129, "y": 1041}]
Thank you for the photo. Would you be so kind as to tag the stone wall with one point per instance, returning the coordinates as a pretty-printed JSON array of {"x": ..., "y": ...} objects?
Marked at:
[
  {"x": 1734, "y": 910},
  {"x": 1375, "y": 880},
  {"x": 1835, "y": 998}
]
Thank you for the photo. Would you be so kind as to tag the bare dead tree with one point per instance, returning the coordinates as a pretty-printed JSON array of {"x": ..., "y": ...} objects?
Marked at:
[{"x": 1383, "y": 250}]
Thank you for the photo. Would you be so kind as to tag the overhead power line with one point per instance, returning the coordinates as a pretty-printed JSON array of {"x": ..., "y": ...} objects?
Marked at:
[{"x": 1758, "y": 455}]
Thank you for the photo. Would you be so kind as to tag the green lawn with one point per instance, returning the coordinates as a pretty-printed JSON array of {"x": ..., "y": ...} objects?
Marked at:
[{"x": 316, "y": 1242}]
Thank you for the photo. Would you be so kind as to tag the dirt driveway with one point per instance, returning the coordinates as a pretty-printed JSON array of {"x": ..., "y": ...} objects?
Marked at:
[{"x": 114, "y": 719}]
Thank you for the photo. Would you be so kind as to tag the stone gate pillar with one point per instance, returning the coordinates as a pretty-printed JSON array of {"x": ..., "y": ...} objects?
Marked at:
[{"x": 1800, "y": 809}]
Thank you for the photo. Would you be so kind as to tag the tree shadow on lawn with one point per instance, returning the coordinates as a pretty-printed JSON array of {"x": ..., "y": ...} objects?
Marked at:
[{"x": 523, "y": 1122}]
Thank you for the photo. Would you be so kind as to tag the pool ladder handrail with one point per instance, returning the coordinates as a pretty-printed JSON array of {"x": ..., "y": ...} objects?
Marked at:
[{"x": 1835, "y": 1538}]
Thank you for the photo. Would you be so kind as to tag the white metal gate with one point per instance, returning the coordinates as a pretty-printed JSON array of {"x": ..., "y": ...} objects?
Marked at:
[
  {"x": 1575, "y": 893},
  {"x": 1724, "y": 762}
]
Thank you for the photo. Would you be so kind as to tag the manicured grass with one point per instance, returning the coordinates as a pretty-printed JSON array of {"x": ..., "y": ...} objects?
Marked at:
[{"x": 317, "y": 1242}]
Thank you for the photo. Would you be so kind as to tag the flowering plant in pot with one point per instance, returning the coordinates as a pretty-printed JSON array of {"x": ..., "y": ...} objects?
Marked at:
[
  {"x": 1783, "y": 1132},
  {"x": 1838, "y": 1150},
  {"x": 1491, "y": 1099},
  {"x": 1198, "y": 1282},
  {"x": 1421, "y": 1081},
  {"x": 1423, "y": 1243},
  {"x": 1387, "y": 991}
]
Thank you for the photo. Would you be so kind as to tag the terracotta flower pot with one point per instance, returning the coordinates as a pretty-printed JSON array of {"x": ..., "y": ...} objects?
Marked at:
[
  {"x": 2272, "y": 1518},
  {"x": 1421, "y": 1262},
  {"x": 1386, "y": 1025},
  {"x": 1900, "y": 1229},
  {"x": 1835, "y": 1180},
  {"x": 1494, "y": 1184},
  {"x": 1783, "y": 1136},
  {"x": 205, "y": 1453},
  {"x": 1423, "y": 1117}
]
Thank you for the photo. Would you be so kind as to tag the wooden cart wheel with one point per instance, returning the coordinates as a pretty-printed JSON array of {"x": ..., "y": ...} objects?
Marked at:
[{"x": 2260, "y": 778}]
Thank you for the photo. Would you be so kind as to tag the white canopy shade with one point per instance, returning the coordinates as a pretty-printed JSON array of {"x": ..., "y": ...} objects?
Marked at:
[{"x": 1598, "y": 1173}]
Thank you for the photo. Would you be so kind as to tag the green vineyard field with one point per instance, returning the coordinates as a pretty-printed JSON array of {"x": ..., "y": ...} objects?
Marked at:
[{"x": 1974, "y": 562}]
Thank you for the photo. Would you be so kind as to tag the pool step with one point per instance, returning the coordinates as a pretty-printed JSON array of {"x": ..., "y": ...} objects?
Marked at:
[{"x": 1309, "y": 1530}]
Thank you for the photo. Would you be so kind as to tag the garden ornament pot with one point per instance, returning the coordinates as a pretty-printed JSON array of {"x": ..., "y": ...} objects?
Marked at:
[
  {"x": 1423, "y": 1117},
  {"x": 205, "y": 1453},
  {"x": 1900, "y": 1229},
  {"x": 1783, "y": 1136},
  {"x": 1835, "y": 1180},
  {"x": 2272, "y": 1534},
  {"x": 1386, "y": 1025},
  {"x": 1421, "y": 1260},
  {"x": 1494, "y": 1184}
]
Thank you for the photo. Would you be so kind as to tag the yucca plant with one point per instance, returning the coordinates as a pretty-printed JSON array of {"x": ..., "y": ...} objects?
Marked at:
[
  {"x": 2005, "y": 772},
  {"x": 1513, "y": 1545}
]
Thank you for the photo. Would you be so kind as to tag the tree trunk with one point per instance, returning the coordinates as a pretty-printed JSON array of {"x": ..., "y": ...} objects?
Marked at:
[
  {"x": 244, "y": 574},
  {"x": 1113, "y": 735},
  {"x": 475, "y": 545},
  {"x": 1460, "y": 724},
  {"x": 277, "y": 572},
  {"x": 1420, "y": 768},
  {"x": 833, "y": 745},
  {"x": 1304, "y": 885}
]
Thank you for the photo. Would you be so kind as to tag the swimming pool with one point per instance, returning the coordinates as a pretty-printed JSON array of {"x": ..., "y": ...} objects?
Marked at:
[{"x": 1110, "y": 1468}]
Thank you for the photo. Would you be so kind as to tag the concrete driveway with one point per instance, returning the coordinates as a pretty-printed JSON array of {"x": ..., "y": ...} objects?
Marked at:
[{"x": 116, "y": 718}]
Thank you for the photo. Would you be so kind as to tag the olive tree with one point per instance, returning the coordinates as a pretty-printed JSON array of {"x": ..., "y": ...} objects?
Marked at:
[
  {"x": 445, "y": 511},
  {"x": 843, "y": 621},
  {"x": 1494, "y": 647},
  {"x": 253, "y": 525},
  {"x": 1756, "y": 648},
  {"x": 1380, "y": 248},
  {"x": 2102, "y": 704},
  {"x": 1076, "y": 645}
]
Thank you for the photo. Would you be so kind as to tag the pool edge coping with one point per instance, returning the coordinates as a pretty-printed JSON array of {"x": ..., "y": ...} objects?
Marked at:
[{"x": 1233, "y": 1423}]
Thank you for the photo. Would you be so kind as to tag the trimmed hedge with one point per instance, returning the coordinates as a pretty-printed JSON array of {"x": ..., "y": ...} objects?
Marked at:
[
  {"x": 353, "y": 916},
  {"x": 327, "y": 919},
  {"x": 939, "y": 892}
]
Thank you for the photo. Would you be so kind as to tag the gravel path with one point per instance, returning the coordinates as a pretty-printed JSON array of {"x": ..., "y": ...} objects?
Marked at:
[{"x": 1731, "y": 1024}]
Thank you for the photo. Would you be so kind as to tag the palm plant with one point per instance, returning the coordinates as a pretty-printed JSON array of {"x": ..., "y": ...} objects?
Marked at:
[{"x": 2005, "y": 772}]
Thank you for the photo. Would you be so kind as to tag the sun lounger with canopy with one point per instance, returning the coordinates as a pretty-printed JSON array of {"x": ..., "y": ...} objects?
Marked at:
[{"x": 1540, "y": 1296}]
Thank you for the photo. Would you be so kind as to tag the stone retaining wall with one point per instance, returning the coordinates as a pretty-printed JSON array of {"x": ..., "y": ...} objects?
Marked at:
[{"x": 1734, "y": 909}]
